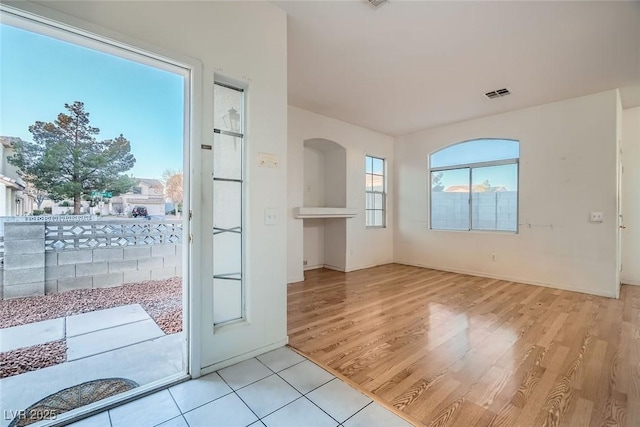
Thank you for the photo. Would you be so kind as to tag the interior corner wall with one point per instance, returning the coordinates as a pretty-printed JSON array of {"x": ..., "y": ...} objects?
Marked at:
[
  {"x": 631, "y": 196},
  {"x": 364, "y": 247},
  {"x": 245, "y": 41},
  {"x": 567, "y": 169}
]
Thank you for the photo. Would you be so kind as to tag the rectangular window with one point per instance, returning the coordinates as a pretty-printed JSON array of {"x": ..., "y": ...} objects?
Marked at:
[
  {"x": 228, "y": 147},
  {"x": 375, "y": 192}
]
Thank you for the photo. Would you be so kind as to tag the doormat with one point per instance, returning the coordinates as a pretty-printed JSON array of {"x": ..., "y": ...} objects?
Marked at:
[{"x": 71, "y": 398}]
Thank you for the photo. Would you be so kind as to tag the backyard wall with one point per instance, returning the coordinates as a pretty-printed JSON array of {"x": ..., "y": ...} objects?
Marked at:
[
  {"x": 490, "y": 210},
  {"x": 32, "y": 265},
  {"x": 106, "y": 267},
  {"x": 567, "y": 169}
]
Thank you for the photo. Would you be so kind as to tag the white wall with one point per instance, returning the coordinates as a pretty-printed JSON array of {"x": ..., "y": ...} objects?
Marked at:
[
  {"x": 364, "y": 247},
  {"x": 313, "y": 243},
  {"x": 567, "y": 169},
  {"x": 314, "y": 177},
  {"x": 245, "y": 41},
  {"x": 631, "y": 196}
]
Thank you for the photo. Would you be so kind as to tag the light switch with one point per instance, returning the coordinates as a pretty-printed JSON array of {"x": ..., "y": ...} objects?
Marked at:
[
  {"x": 270, "y": 216},
  {"x": 596, "y": 217}
]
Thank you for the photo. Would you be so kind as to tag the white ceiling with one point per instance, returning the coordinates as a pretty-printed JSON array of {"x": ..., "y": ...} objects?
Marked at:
[{"x": 411, "y": 65}]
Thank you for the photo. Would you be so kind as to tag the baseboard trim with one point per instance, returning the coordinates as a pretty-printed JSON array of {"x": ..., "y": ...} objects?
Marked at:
[
  {"x": 631, "y": 282},
  {"x": 560, "y": 286},
  {"x": 242, "y": 357},
  {"x": 331, "y": 267},
  {"x": 362, "y": 267},
  {"x": 300, "y": 279}
]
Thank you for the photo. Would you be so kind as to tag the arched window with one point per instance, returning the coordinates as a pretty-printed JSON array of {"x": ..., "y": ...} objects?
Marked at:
[{"x": 474, "y": 186}]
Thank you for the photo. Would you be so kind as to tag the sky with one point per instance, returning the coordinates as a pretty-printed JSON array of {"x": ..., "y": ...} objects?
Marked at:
[
  {"x": 477, "y": 151},
  {"x": 39, "y": 74}
]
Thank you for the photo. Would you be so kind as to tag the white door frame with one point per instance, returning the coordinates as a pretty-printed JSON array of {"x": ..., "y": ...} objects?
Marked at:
[{"x": 42, "y": 20}]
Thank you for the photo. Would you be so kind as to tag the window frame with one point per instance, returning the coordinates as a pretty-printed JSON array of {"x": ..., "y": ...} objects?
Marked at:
[
  {"x": 471, "y": 167},
  {"x": 383, "y": 193},
  {"x": 241, "y": 135}
]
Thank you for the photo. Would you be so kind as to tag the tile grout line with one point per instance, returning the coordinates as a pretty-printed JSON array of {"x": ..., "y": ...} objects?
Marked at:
[
  {"x": 305, "y": 394},
  {"x": 276, "y": 374},
  {"x": 206, "y": 403},
  {"x": 237, "y": 395},
  {"x": 252, "y": 411},
  {"x": 360, "y": 410},
  {"x": 177, "y": 406},
  {"x": 302, "y": 395}
]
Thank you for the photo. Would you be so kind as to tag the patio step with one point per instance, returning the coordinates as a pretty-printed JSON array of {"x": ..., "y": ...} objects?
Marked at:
[
  {"x": 31, "y": 334},
  {"x": 104, "y": 319},
  {"x": 113, "y": 338}
]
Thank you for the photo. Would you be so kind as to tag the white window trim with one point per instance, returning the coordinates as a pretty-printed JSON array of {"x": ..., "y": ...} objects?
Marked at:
[{"x": 383, "y": 192}]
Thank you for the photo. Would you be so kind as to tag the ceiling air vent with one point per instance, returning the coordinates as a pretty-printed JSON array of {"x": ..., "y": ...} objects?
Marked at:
[
  {"x": 498, "y": 93},
  {"x": 376, "y": 3}
]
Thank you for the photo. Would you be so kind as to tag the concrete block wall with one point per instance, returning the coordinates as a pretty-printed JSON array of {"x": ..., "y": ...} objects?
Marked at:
[
  {"x": 489, "y": 210},
  {"x": 29, "y": 269},
  {"x": 495, "y": 210},
  {"x": 106, "y": 267},
  {"x": 24, "y": 260},
  {"x": 449, "y": 210}
]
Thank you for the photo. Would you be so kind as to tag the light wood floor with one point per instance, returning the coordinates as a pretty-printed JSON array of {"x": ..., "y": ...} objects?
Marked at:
[{"x": 453, "y": 350}]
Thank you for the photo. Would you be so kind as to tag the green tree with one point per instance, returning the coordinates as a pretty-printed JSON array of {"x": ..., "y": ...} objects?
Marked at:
[
  {"x": 65, "y": 159},
  {"x": 436, "y": 181}
]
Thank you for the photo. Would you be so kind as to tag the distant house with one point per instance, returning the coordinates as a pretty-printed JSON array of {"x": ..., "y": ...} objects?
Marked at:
[
  {"x": 477, "y": 188},
  {"x": 14, "y": 197},
  {"x": 148, "y": 193}
]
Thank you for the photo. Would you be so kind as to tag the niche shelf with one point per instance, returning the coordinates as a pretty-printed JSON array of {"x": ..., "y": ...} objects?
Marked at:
[{"x": 309, "y": 212}]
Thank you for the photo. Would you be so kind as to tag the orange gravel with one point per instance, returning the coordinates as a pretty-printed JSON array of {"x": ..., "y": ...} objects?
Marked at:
[{"x": 162, "y": 299}]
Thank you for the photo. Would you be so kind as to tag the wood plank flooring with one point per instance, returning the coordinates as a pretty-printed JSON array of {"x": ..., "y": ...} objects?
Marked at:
[{"x": 448, "y": 349}]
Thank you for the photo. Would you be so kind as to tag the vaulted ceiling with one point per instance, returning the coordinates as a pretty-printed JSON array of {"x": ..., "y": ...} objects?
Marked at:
[{"x": 411, "y": 65}]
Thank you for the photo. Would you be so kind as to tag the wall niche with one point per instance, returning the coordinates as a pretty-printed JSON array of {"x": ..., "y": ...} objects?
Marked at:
[{"x": 324, "y": 209}]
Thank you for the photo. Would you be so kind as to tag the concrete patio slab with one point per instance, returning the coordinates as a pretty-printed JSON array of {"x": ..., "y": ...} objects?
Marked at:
[
  {"x": 103, "y": 319},
  {"x": 31, "y": 334},
  {"x": 143, "y": 363},
  {"x": 111, "y": 339}
]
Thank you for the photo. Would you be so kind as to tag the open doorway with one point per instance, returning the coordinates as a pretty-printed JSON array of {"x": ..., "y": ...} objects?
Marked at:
[{"x": 93, "y": 231}]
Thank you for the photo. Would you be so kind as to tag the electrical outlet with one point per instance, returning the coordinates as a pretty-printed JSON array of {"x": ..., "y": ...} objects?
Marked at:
[
  {"x": 305, "y": 262},
  {"x": 596, "y": 217},
  {"x": 493, "y": 257}
]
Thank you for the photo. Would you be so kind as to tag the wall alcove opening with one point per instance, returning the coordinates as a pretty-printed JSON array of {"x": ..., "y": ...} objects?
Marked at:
[{"x": 324, "y": 209}]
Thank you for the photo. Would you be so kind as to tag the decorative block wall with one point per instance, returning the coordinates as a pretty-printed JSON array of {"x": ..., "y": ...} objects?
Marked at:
[{"x": 43, "y": 259}]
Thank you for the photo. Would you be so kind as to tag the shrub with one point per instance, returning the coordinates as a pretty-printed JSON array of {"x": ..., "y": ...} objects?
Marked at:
[
  {"x": 37, "y": 212},
  {"x": 47, "y": 210}
]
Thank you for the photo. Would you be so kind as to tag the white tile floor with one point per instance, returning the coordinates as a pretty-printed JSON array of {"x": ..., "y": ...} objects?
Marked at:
[{"x": 277, "y": 389}]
